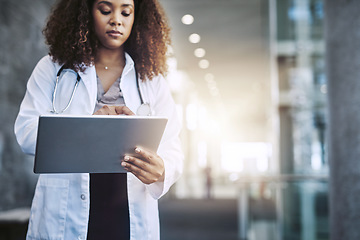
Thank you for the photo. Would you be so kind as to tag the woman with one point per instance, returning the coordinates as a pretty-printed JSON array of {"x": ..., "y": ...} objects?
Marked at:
[{"x": 108, "y": 43}]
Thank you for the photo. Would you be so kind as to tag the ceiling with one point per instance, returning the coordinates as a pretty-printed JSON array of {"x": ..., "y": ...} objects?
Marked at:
[{"x": 234, "y": 34}]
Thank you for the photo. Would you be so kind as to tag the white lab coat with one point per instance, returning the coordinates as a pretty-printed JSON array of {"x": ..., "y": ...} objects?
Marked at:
[{"x": 60, "y": 208}]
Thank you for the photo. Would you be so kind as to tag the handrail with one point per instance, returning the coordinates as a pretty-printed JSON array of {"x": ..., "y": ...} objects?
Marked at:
[
  {"x": 282, "y": 178},
  {"x": 243, "y": 197}
]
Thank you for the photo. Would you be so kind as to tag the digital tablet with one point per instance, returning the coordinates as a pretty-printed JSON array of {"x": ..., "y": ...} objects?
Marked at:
[{"x": 93, "y": 144}]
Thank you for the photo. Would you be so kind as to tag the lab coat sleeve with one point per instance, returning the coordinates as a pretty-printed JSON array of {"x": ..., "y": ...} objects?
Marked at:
[
  {"x": 37, "y": 101},
  {"x": 170, "y": 146}
]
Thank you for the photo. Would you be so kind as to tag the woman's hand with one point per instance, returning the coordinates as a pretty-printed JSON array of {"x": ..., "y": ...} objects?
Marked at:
[
  {"x": 114, "y": 110},
  {"x": 148, "y": 169}
]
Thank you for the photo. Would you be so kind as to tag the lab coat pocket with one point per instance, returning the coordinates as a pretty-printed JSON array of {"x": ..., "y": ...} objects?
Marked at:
[{"x": 49, "y": 207}]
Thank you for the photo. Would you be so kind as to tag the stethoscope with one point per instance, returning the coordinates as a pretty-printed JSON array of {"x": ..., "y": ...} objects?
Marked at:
[{"x": 143, "y": 110}]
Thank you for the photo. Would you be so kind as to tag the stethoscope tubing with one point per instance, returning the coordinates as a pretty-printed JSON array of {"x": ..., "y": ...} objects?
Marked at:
[
  {"x": 55, "y": 89},
  {"x": 145, "y": 107},
  {"x": 138, "y": 87}
]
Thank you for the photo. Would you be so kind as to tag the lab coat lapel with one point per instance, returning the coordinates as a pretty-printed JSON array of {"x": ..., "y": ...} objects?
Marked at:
[
  {"x": 88, "y": 77},
  {"x": 128, "y": 85},
  {"x": 130, "y": 92}
]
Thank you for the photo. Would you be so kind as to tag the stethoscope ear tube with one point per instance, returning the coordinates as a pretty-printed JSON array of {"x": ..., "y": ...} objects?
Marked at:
[
  {"x": 138, "y": 87},
  {"x": 55, "y": 89}
]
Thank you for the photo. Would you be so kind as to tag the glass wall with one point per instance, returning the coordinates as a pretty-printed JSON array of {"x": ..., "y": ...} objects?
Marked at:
[{"x": 302, "y": 205}]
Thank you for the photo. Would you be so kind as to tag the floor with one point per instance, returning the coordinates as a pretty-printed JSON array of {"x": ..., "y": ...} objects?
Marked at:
[
  {"x": 189, "y": 219},
  {"x": 180, "y": 219}
]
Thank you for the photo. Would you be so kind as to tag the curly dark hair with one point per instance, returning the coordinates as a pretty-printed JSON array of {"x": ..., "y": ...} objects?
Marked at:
[{"x": 69, "y": 32}]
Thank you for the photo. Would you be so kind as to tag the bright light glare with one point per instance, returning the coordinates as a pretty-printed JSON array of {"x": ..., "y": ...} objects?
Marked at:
[
  {"x": 202, "y": 154},
  {"x": 214, "y": 92},
  {"x": 204, "y": 64},
  {"x": 248, "y": 156},
  {"x": 262, "y": 164},
  {"x": 230, "y": 158},
  {"x": 187, "y": 19},
  {"x": 179, "y": 111},
  {"x": 316, "y": 162},
  {"x": 203, "y": 117},
  {"x": 233, "y": 177},
  {"x": 194, "y": 38},
  {"x": 191, "y": 116},
  {"x": 199, "y": 52}
]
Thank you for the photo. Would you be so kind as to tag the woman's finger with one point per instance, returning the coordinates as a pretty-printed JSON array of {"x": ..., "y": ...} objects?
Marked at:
[
  {"x": 123, "y": 110},
  {"x": 141, "y": 163},
  {"x": 147, "y": 155},
  {"x": 141, "y": 174},
  {"x": 114, "y": 110},
  {"x": 148, "y": 167}
]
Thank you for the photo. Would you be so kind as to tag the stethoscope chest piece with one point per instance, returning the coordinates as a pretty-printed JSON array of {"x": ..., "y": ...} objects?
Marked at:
[{"x": 144, "y": 110}]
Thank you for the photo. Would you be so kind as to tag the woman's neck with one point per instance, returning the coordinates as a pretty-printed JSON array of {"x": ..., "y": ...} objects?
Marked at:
[{"x": 109, "y": 58}]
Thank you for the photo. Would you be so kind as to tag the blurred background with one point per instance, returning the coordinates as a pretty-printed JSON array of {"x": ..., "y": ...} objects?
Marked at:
[{"x": 248, "y": 77}]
